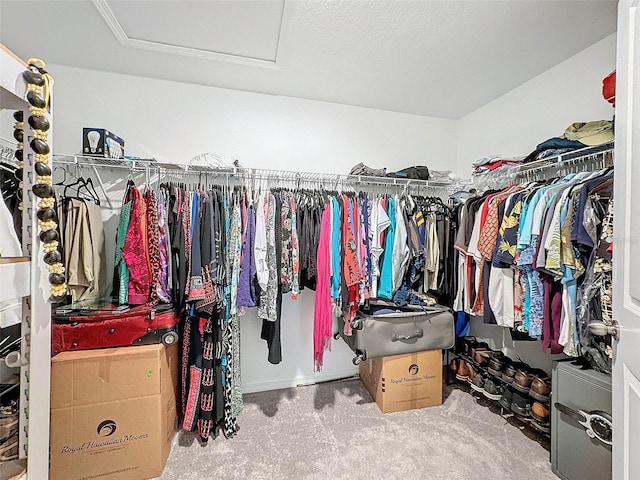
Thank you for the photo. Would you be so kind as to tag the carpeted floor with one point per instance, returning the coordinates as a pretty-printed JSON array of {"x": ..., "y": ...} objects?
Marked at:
[{"x": 335, "y": 431}]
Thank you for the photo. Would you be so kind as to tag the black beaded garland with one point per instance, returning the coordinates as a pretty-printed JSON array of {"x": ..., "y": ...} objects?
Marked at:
[
  {"x": 18, "y": 135},
  {"x": 18, "y": 154},
  {"x": 38, "y": 96},
  {"x": 52, "y": 257},
  {"x": 39, "y": 146},
  {"x": 18, "y": 115},
  {"x": 42, "y": 169},
  {"x": 34, "y": 78},
  {"x": 42, "y": 190},
  {"x": 39, "y": 123},
  {"x": 56, "y": 278},
  {"x": 49, "y": 236},
  {"x": 46, "y": 214},
  {"x": 36, "y": 100}
]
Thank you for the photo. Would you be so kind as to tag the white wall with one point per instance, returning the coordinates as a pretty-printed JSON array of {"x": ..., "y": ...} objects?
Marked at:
[
  {"x": 174, "y": 122},
  {"x": 540, "y": 108}
]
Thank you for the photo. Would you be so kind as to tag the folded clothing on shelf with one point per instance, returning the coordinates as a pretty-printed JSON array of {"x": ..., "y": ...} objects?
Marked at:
[
  {"x": 362, "y": 169},
  {"x": 576, "y": 136}
]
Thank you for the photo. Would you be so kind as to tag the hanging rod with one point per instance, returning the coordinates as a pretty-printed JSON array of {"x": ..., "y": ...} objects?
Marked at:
[
  {"x": 574, "y": 157},
  {"x": 175, "y": 169},
  {"x": 539, "y": 169}
]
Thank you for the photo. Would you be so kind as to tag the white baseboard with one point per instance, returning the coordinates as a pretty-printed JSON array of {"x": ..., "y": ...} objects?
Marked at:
[{"x": 297, "y": 381}]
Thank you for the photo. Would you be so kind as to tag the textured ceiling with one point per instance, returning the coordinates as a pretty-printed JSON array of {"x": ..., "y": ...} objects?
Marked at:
[{"x": 436, "y": 58}]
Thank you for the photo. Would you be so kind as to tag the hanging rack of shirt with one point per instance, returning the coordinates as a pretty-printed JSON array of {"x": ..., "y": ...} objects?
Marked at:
[{"x": 535, "y": 252}]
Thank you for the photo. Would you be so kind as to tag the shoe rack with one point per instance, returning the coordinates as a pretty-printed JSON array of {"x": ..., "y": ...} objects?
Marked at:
[{"x": 472, "y": 368}]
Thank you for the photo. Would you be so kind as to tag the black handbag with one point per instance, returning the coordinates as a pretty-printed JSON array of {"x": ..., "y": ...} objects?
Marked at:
[{"x": 418, "y": 172}]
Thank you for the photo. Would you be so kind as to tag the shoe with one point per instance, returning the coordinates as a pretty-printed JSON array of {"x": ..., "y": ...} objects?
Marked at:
[
  {"x": 510, "y": 370},
  {"x": 478, "y": 382},
  {"x": 540, "y": 389},
  {"x": 540, "y": 427},
  {"x": 520, "y": 404},
  {"x": 453, "y": 365},
  {"x": 522, "y": 381},
  {"x": 497, "y": 364},
  {"x": 540, "y": 417},
  {"x": 472, "y": 373},
  {"x": 464, "y": 344},
  {"x": 467, "y": 344},
  {"x": 463, "y": 372},
  {"x": 540, "y": 413},
  {"x": 493, "y": 389},
  {"x": 477, "y": 347},
  {"x": 483, "y": 357},
  {"x": 506, "y": 398}
]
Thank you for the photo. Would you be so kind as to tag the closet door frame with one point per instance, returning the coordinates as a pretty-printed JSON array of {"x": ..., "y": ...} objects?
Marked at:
[{"x": 626, "y": 250}]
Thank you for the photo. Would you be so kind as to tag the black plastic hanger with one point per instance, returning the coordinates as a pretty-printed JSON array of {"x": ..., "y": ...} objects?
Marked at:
[
  {"x": 92, "y": 191},
  {"x": 79, "y": 181}
]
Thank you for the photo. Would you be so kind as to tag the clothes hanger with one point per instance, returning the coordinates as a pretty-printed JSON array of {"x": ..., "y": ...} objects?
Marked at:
[
  {"x": 79, "y": 181},
  {"x": 89, "y": 183}
]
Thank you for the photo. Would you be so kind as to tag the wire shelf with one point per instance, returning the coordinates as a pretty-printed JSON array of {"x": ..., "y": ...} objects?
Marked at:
[
  {"x": 584, "y": 159},
  {"x": 153, "y": 167}
]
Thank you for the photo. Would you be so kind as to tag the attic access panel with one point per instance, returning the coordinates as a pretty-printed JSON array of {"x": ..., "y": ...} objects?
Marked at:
[{"x": 247, "y": 29}]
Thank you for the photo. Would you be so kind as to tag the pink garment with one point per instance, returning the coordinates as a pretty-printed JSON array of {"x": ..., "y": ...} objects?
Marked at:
[
  {"x": 323, "y": 317},
  {"x": 134, "y": 254}
]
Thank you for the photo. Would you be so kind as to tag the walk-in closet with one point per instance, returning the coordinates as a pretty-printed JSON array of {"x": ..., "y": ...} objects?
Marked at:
[{"x": 285, "y": 239}]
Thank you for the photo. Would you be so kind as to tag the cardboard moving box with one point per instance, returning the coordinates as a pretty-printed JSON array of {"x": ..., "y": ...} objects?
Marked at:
[
  {"x": 404, "y": 382},
  {"x": 113, "y": 412}
]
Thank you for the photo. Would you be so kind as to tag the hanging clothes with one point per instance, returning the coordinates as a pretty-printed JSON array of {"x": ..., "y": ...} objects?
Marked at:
[
  {"x": 247, "y": 286},
  {"x": 214, "y": 252},
  {"x": 323, "y": 319},
  {"x": 271, "y": 326},
  {"x": 84, "y": 249},
  {"x": 379, "y": 221},
  {"x": 385, "y": 290},
  {"x": 269, "y": 293},
  {"x": 351, "y": 264},
  {"x": 523, "y": 252},
  {"x": 163, "y": 282},
  {"x": 9, "y": 242},
  {"x": 10, "y": 210}
]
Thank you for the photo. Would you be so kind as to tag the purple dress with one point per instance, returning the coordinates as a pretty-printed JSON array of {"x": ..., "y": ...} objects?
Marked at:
[{"x": 247, "y": 281}]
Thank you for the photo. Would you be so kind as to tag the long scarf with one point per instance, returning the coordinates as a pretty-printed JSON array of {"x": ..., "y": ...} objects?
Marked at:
[{"x": 323, "y": 318}]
